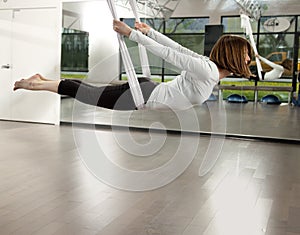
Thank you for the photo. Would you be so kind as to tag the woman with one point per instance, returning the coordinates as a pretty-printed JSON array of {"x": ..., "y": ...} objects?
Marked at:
[
  {"x": 277, "y": 69},
  {"x": 231, "y": 54}
]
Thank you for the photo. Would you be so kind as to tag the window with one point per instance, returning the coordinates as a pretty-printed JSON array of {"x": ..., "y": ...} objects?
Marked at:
[
  {"x": 232, "y": 25},
  {"x": 275, "y": 58},
  {"x": 74, "y": 50},
  {"x": 275, "y": 40},
  {"x": 188, "y": 32},
  {"x": 273, "y": 24}
]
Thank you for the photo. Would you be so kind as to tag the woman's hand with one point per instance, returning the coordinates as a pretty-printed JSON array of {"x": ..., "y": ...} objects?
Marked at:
[
  {"x": 121, "y": 28},
  {"x": 143, "y": 27}
]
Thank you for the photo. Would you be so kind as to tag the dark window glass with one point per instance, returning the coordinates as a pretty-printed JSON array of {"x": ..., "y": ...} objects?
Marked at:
[{"x": 74, "y": 51}]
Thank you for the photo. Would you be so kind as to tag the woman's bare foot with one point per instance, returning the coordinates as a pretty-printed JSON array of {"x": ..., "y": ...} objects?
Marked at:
[
  {"x": 37, "y": 82},
  {"x": 42, "y": 78},
  {"x": 32, "y": 83}
]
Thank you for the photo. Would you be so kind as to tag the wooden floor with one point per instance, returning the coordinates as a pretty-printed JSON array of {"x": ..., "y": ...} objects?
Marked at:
[{"x": 45, "y": 187}]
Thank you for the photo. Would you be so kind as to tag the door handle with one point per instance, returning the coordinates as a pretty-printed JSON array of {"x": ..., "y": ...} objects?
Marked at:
[{"x": 5, "y": 66}]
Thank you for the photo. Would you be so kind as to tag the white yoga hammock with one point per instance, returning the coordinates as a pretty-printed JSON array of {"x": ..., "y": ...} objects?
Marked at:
[
  {"x": 128, "y": 65},
  {"x": 142, "y": 49},
  {"x": 245, "y": 23}
]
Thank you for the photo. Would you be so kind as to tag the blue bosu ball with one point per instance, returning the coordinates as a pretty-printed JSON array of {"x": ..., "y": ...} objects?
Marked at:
[
  {"x": 236, "y": 98},
  {"x": 212, "y": 97},
  {"x": 270, "y": 99}
]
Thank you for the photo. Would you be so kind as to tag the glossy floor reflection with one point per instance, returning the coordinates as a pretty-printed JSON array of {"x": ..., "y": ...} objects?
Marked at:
[
  {"x": 254, "y": 187},
  {"x": 250, "y": 119}
]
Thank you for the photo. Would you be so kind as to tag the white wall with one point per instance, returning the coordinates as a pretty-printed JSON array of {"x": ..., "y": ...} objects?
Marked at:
[{"x": 12, "y": 4}]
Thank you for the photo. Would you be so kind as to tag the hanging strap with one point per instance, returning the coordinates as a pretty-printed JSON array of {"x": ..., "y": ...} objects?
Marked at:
[
  {"x": 142, "y": 49},
  {"x": 245, "y": 23},
  {"x": 132, "y": 78}
]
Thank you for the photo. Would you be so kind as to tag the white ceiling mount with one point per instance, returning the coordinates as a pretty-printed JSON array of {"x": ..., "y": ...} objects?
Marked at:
[
  {"x": 152, "y": 8},
  {"x": 252, "y": 8}
]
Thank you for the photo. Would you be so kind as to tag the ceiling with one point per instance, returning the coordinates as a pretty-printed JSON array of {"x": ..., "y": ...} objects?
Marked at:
[
  {"x": 216, "y": 8},
  {"x": 230, "y": 7}
]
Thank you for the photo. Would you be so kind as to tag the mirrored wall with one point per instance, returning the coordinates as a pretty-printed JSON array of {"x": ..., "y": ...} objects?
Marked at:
[{"x": 90, "y": 52}]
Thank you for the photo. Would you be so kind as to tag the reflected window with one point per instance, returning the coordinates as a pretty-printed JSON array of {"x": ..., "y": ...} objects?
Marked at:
[
  {"x": 232, "y": 24},
  {"x": 186, "y": 25},
  {"x": 275, "y": 24},
  {"x": 274, "y": 36},
  {"x": 277, "y": 57},
  {"x": 74, "y": 50},
  {"x": 188, "y": 32}
]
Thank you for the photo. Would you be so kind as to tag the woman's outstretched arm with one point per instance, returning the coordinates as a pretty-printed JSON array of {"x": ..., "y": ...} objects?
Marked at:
[
  {"x": 182, "y": 61},
  {"x": 164, "y": 40},
  {"x": 276, "y": 71},
  {"x": 270, "y": 63}
]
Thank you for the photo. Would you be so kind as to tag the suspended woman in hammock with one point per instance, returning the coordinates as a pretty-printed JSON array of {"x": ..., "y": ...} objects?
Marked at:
[
  {"x": 230, "y": 55},
  {"x": 277, "y": 69}
]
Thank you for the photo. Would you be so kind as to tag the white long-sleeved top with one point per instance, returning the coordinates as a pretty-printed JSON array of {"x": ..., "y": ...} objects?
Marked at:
[
  {"x": 195, "y": 83},
  {"x": 275, "y": 73}
]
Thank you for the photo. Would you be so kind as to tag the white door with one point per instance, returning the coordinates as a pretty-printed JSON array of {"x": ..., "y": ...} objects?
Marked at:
[
  {"x": 5, "y": 63},
  {"x": 34, "y": 47}
]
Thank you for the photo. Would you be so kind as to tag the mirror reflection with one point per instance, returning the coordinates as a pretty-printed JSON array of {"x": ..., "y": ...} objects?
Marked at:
[{"x": 263, "y": 106}]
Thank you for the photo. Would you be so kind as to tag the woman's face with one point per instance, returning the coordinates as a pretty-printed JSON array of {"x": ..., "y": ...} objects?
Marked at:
[{"x": 246, "y": 56}]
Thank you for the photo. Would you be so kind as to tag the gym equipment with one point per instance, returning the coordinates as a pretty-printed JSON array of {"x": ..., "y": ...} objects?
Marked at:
[
  {"x": 296, "y": 97},
  {"x": 212, "y": 97},
  {"x": 236, "y": 98},
  {"x": 270, "y": 99},
  {"x": 134, "y": 85},
  {"x": 245, "y": 23}
]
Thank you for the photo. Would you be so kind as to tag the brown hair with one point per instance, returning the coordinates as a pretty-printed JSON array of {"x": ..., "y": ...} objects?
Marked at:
[
  {"x": 229, "y": 53},
  {"x": 287, "y": 64}
]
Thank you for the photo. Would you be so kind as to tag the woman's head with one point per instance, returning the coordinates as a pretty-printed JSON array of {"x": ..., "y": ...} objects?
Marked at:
[
  {"x": 287, "y": 64},
  {"x": 234, "y": 54}
]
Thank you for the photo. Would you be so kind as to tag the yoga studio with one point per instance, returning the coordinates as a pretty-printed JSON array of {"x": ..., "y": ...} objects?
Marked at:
[{"x": 149, "y": 117}]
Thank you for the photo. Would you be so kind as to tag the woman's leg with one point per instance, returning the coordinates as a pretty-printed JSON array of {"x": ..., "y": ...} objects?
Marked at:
[{"x": 116, "y": 97}]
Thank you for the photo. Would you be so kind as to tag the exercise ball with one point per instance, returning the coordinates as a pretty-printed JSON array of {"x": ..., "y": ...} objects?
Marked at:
[
  {"x": 270, "y": 99},
  {"x": 236, "y": 98},
  {"x": 212, "y": 97}
]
